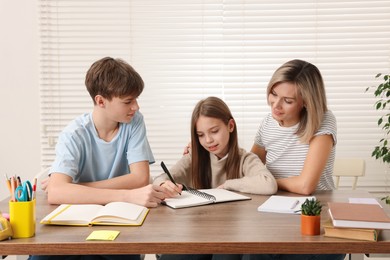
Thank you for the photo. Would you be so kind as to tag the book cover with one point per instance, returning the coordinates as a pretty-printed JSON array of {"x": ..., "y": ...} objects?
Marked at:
[
  {"x": 283, "y": 204},
  {"x": 192, "y": 198},
  {"x": 114, "y": 213},
  {"x": 366, "y": 234},
  {"x": 358, "y": 215}
]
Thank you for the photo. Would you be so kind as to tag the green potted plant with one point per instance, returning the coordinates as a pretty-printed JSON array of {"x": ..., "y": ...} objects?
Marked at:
[
  {"x": 382, "y": 92},
  {"x": 311, "y": 217}
]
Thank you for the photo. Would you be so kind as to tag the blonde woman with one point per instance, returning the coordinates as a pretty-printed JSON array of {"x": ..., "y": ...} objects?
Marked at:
[{"x": 297, "y": 139}]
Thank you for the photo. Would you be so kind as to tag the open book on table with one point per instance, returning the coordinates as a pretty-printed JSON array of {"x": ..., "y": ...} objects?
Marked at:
[
  {"x": 283, "y": 204},
  {"x": 192, "y": 197},
  {"x": 114, "y": 213}
]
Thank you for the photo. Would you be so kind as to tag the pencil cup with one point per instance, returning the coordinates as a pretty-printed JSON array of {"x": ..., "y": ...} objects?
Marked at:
[{"x": 22, "y": 218}]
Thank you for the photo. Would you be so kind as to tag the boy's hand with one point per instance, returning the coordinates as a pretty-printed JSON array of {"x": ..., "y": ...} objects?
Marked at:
[
  {"x": 149, "y": 196},
  {"x": 45, "y": 183},
  {"x": 171, "y": 189}
]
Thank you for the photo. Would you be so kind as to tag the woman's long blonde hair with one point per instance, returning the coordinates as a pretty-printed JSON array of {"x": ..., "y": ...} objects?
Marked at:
[
  {"x": 201, "y": 166},
  {"x": 310, "y": 86}
]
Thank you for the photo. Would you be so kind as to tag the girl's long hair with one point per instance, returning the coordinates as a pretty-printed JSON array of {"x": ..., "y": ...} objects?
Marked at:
[{"x": 201, "y": 166}]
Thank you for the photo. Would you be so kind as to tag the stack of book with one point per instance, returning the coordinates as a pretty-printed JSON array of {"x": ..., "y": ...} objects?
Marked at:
[
  {"x": 367, "y": 234},
  {"x": 356, "y": 221}
]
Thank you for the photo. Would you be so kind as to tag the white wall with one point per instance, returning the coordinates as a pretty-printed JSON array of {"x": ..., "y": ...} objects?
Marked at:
[{"x": 19, "y": 99}]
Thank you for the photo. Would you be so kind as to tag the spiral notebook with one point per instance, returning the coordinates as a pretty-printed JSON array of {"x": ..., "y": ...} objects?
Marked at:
[{"x": 193, "y": 197}]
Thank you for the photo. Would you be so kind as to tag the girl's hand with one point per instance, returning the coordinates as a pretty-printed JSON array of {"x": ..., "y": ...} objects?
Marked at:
[
  {"x": 222, "y": 186},
  {"x": 171, "y": 189}
]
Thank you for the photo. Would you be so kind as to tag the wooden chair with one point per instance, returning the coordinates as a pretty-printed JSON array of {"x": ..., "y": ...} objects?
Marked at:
[{"x": 349, "y": 167}]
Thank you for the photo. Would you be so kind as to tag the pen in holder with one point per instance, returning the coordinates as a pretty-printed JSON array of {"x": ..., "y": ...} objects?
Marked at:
[{"x": 22, "y": 218}]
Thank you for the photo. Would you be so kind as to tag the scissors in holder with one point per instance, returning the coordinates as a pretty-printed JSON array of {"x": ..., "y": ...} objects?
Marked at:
[{"x": 24, "y": 191}]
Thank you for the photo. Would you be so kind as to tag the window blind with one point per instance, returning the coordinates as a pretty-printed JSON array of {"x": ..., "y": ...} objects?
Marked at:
[{"x": 188, "y": 50}]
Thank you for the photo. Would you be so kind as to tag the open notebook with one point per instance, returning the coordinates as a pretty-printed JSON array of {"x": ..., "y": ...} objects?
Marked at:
[
  {"x": 114, "y": 213},
  {"x": 192, "y": 197}
]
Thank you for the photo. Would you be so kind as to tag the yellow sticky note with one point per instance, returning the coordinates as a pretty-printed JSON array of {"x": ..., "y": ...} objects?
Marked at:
[{"x": 103, "y": 235}]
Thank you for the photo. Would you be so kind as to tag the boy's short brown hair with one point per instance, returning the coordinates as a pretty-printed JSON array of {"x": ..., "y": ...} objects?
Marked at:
[{"x": 110, "y": 78}]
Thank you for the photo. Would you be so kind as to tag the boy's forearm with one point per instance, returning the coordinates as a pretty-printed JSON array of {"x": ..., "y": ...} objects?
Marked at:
[
  {"x": 127, "y": 181},
  {"x": 62, "y": 191},
  {"x": 70, "y": 193}
]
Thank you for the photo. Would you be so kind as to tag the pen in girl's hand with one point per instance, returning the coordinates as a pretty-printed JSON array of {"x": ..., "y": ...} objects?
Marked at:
[{"x": 168, "y": 173}]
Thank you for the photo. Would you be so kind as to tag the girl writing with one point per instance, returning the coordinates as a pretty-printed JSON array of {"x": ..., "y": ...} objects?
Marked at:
[{"x": 215, "y": 159}]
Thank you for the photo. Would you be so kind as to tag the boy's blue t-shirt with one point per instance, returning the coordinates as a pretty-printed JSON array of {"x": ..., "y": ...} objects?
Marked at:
[{"x": 82, "y": 155}]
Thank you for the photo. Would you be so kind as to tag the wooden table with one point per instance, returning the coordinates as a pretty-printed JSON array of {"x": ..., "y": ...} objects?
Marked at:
[{"x": 233, "y": 227}]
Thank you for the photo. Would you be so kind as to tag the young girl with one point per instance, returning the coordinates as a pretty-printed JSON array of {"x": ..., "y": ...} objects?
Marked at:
[{"x": 216, "y": 161}]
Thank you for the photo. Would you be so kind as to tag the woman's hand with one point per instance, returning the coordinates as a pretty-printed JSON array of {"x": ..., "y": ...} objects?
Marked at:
[{"x": 187, "y": 149}]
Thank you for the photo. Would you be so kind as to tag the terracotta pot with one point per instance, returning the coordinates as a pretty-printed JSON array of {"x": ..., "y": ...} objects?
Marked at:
[{"x": 310, "y": 225}]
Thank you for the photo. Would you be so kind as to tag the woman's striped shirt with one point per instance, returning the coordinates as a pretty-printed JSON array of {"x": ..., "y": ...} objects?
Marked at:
[{"x": 286, "y": 154}]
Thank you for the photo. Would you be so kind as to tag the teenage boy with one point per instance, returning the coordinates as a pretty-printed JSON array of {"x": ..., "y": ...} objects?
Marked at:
[{"x": 104, "y": 155}]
